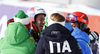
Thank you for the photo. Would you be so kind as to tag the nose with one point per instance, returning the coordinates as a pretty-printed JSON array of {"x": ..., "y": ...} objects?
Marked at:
[{"x": 43, "y": 22}]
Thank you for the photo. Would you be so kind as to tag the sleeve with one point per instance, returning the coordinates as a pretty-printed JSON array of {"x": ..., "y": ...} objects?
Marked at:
[
  {"x": 78, "y": 49},
  {"x": 40, "y": 48},
  {"x": 1, "y": 41},
  {"x": 31, "y": 46},
  {"x": 85, "y": 48},
  {"x": 77, "y": 46}
]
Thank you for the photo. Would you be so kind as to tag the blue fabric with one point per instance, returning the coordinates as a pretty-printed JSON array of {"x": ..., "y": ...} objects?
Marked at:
[
  {"x": 30, "y": 32},
  {"x": 69, "y": 26},
  {"x": 83, "y": 40}
]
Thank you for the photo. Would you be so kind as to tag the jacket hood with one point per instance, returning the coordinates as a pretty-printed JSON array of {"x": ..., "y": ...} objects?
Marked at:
[
  {"x": 56, "y": 32},
  {"x": 78, "y": 34},
  {"x": 16, "y": 33}
]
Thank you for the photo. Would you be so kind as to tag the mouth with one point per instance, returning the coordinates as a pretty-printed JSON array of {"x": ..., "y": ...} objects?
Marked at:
[{"x": 41, "y": 26}]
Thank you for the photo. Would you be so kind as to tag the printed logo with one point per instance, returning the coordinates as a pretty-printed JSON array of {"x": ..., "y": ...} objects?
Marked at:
[
  {"x": 55, "y": 32},
  {"x": 65, "y": 47}
]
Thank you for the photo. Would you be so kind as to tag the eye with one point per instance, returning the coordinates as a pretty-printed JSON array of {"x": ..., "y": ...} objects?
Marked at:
[{"x": 42, "y": 19}]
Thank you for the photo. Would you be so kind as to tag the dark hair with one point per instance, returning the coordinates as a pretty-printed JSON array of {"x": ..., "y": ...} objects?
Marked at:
[{"x": 87, "y": 30}]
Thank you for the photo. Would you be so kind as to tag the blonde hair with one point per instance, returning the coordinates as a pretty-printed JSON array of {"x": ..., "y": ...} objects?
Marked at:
[{"x": 57, "y": 17}]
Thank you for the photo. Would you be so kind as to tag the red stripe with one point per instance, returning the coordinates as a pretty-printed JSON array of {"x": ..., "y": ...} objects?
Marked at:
[
  {"x": 83, "y": 20},
  {"x": 9, "y": 22},
  {"x": 35, "y": 27},
  {"x": 28, "y": 26},
  {"x": 31, "y": 9}
]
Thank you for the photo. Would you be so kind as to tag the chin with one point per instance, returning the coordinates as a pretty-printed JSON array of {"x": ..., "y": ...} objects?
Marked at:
[{"x": 40, "y": 29}]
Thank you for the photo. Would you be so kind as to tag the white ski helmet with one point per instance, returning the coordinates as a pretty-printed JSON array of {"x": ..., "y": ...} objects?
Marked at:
[{"x": 34, "y": 11}]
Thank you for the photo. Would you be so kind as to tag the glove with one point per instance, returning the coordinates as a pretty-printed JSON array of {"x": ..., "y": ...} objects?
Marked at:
[
  {"x": 35, "y": 32},
  {"x": 35, "y": 35}
]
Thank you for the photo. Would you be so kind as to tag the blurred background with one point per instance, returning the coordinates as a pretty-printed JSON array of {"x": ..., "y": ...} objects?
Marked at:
[{"x": 8, "y": 8}]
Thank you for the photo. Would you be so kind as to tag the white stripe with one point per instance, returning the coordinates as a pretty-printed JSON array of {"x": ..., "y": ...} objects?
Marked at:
[
  {"x": 94, "y": 35},
  {"x": 23, "y": 21},
  {"x": 82, "y": 16},
  {"x": 58, "y": 48},
  {"x": 51, "y": 47}
]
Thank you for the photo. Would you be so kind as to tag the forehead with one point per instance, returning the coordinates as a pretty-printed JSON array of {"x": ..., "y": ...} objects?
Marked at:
[{"x": 41, "y": 16}]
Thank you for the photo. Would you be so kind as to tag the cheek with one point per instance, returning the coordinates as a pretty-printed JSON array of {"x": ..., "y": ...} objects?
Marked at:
[
  {"x": 73, "y": 25},
  {"x": 42, "y": 22},
  {"x": 77, "y": 25},
  {"x": 38, "y": 23}
]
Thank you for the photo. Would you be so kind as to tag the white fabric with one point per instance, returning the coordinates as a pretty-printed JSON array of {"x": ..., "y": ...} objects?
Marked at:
[
  {"x": 50, "y": 22},
  {"x": 39, "y": 10},
  {"x": 23, "y": 21},
  {"x": 94, "y": 34},
  {"x": 50, "y": 13}
]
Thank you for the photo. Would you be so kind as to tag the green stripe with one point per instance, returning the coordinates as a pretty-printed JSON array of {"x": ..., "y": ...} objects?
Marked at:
[{"x": 78, "y": 46}]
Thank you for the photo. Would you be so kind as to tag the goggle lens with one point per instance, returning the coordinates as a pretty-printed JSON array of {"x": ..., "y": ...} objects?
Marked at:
[{"x": 71, "y": 17}]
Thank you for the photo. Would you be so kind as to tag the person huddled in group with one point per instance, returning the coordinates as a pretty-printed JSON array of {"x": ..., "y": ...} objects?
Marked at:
[
  {"x": 22, "y": 18},
  {"x": 25, "y": 20},
  {"x": 94, "y": 36},
  {"x": 56, "y": 38},
  {"x": 79, "y": 22},
  {"x": 16, "y": 40},
  {"x": 36, "y": 14}
]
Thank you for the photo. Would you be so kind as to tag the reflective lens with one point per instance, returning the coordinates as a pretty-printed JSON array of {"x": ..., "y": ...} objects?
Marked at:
[{"x": 71, "y": 17}]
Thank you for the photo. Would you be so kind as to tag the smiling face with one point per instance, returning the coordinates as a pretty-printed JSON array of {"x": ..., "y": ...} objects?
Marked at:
[{"x": 40, "y": 21}]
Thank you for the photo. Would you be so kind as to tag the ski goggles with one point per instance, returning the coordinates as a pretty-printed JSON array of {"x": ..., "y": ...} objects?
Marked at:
[{"x": 72, "y": 18}]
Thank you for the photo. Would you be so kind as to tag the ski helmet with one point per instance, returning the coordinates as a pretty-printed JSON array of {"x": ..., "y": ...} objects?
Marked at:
[
  {"x": 79, "y": 17},
  {"x": 34, "y": 11}
]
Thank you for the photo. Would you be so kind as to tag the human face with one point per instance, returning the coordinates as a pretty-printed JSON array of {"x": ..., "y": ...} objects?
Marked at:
[
  {"x": 40, "y": 21},
  {"x": 74, "y": 25}
]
